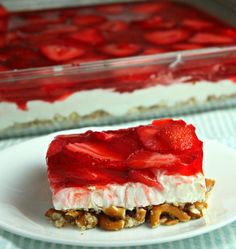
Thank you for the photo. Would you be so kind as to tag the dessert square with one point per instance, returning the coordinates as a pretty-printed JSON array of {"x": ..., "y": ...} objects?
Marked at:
[{"x": 122, "y": 178}]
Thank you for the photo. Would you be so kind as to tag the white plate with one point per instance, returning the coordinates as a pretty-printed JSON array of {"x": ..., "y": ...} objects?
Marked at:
[{"x": 25, "y": 196}]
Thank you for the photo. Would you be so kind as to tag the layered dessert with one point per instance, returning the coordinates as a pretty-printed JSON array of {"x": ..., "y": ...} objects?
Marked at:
[
  {"x": 122, "y": 178},
  {"x": 56, "y": 97}
]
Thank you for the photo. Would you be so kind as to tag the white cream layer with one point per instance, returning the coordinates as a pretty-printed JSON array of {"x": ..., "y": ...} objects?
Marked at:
[
  {"x": 176, "y": 189},
  {"x": 117, "y": 104}
]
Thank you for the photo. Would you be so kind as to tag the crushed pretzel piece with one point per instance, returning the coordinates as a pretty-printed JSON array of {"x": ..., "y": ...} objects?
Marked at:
[
  {"x": 110, "y": 225},
  {"x": 116, "y": 212},
  {"x": 169, "y": 209}
]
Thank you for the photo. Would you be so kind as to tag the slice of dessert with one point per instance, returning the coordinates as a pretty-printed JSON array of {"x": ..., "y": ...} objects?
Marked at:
[{"x": 117, "y": 179}]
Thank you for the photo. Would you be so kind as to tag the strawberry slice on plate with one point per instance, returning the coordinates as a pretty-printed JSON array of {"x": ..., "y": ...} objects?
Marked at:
[
  {"x": 60, "y": 53},
  {"x": 169, "y": 136},
  {"x": 88, "y": 35},
  {"x": 167, "y": 37},
  {"x": 144, "y": 177},
  {"x": 121, "y": 49},
  {"x": 211, "y": 38},
  {"x": 95, "y": 150},
  {"x": 88, "y": 20},
  {"x": 150, "y": 159}
]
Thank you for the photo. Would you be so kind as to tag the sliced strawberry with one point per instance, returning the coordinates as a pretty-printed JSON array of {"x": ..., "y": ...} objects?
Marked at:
[
  {"x": 55, "y": 147},
  {"x": 180, "y": 137},
  {"x": 169, "y": 136},
  {"x": 144, "y": 177},
  {"x": 196, "y": 24},
  {"x": 155, "y": 22},
  {"x": 113, "y": 9},
  {"x": 148, "y": 8},
  {"x": 150, "y": 159},
  {"x": 113, "y": 26},
  {"x": 186, "y": 46},
  {"x": 150, "y": 23},
  {"x": 59, "y": 53},
  {"x": 167, "y": 37},
  {"x": 86, "y": 176},
  {"x": 165, "y": 121},
  {"x": 96, "y": 150},
  {"x": 88, "y": 35},
  {"x": 210, "y": 38},
  {"x": 149, "y": 135},
  {"x": 121, "y": 49},
  {"x": 88, "y": 20}
]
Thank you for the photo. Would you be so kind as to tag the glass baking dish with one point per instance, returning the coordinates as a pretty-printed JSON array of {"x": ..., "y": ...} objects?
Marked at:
[{"x": 44, "y": 99}]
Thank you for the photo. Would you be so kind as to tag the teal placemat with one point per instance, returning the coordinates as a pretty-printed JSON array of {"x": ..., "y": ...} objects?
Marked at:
[{"x": 219, "y": 125}]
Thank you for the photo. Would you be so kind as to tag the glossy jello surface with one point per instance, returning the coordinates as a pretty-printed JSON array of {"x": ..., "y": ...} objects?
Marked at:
[
  {"x": 83, "y": 34},
  {"x": 51, "y": 37},
  {"x": 126, "y": 155}
]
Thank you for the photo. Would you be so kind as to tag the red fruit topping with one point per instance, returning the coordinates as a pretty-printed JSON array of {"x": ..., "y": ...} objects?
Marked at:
[
  {"x": 95, "y": 150},
  {"x": 153, "y": 22},
  {"x": 121, "y": 49},
  {"x": 58, "y": 53},
  {"x": 136, "y": 154},
  {"x": 210, "y": 38},
  {"x": 156, "y": 22},
  {"x": 149, "y": 159},
  {"x": 88, "y": 35},
  {"x": 88, "y": 20},
  {"x": 145, "y": 177},
  {"x": 196, "y": 24},
  {"x": 169, "y": 136},
  {"x": 167, "y": 37},
  {"x": 114, "y": 26}
]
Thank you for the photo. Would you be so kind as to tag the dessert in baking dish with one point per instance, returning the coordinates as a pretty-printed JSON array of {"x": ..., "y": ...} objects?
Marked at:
[
  {"x": 117, "y": 179},
  {"x": 57, "y": 97}
]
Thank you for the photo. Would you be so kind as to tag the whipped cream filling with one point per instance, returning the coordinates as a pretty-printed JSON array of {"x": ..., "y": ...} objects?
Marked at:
[
  {"x": 176, "y": 189},
  {"x": 115, "y": 103}
]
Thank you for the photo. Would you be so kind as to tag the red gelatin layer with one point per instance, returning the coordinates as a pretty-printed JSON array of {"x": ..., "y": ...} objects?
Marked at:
[
  {"x": 84, "y": 34},
  {"x": 126, "y": 155}
]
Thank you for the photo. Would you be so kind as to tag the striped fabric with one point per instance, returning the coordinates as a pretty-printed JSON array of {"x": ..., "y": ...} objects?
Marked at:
[{"x": 219, "y": 125}]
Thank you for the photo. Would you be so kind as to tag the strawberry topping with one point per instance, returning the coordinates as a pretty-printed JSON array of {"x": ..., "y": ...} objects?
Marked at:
[
  {"x": 136, "y": 154},
  {"x": 86, "y": 34},
  {"x": 167, "y": 37},
  {"x": 58, "y": 52},
  {"x": 210, "y": 38},
  {"x": 121, "y": 49}
]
